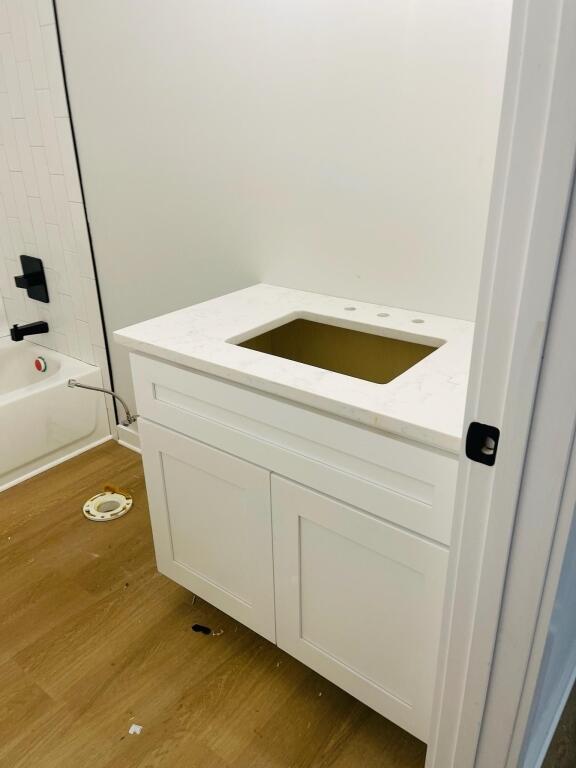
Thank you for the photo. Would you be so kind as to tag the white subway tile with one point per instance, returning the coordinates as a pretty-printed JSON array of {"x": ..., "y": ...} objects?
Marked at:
[
  {"x": 3, "y": 83},
  {"x": 16, "y": 14},
  {"x": 35, "y": 47},
  {"x": 4, "y": 19},
  {"x": 5, "y": 279},
  {"x": 68, "y": 156},
  {"x": 22, "y": 207},
  {"x": 63, "y": 212},
  {"x": 68, "y": 321},
  {"x": 46, "y": 340},
  {"x": 33, "y": 311},
  {"x": 82, "y": 241},
  {"x": 26, "y": 160},
  {"x": 41, "y": 209},
  {"x": 6, "y": 189},
  {"x": 54, "y": 70},
  {"x": 15, "y": 311},
  {"x": 45, "y": 12},
  {"x": 54, "y": 282},
  {"x": 85, "y": 347},
  {"x": 75, "y": 286},
  {"x": 93, "y": 309},
  {"x": 40, "y": 234},
  {"x": 11, "y": 145},
  {"x": 48, "y": 124},
  {"x": 5, "y": 242},
  {"x": 17, "y": 244},
  {"x": 8, "y": 137},
  {"x": 30, "y": 103},
  {"x": 61, "y": 343},
  {"x": 57, "y": 256},
  {"x": 12, "y": 268},
  {"x": 101, "y": 360},
  {"x": 11, "y": 75},
  {"x": 15, "y": 293},
  {"x": 69, "y": 324},
  {"x": 5, "y": 289},
  {"x": 44, "y": 184},
  {"x": 52, "y": 307}
]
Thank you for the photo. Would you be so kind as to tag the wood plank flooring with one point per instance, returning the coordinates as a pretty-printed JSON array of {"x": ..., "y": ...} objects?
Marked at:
[
  {"x": 93, "y": 639},
  {"x": 562, "y": 750}
]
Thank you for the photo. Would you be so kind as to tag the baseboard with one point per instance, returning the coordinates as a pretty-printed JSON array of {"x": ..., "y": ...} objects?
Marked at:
[
  {"x": 128, "y": 437},
  {"x": 55, "y": 462}
]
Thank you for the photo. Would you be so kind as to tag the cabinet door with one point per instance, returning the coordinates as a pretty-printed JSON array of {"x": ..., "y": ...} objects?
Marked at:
[
  {"x": 359, "y": 601},
  {"x": 211, "y": 522}
]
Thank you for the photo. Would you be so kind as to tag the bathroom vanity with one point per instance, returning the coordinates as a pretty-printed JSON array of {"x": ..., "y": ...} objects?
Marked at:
[{"x": 300, "y": 454}]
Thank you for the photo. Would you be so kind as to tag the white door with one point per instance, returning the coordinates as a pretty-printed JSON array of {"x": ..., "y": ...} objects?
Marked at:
[
  {"x": 211, "y": 521},
  {"x": 477, "y": 713},
  {"x": 359, "y": 601}
]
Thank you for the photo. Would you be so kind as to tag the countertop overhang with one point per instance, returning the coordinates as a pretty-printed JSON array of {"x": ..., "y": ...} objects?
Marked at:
[{"x": 424, "y": 404}]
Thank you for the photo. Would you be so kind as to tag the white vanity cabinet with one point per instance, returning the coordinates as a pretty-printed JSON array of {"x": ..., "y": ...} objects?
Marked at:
[
  {"x": 358, "y": 600},
  {"x": 211, "y": 523},
  {"x": 324, "y": 536}
]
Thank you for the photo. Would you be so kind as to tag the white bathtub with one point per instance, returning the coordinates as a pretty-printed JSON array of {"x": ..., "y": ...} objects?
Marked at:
[{"x": 42, "y": 420}]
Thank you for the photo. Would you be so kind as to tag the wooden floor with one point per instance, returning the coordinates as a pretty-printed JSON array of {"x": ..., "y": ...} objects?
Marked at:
[
  {"x": 562, "y": 750},
  {"x": 93, "y": 639}
]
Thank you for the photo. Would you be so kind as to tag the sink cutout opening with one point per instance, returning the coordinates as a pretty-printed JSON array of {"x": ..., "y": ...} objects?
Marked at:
[{"x": 349, "y": 351}]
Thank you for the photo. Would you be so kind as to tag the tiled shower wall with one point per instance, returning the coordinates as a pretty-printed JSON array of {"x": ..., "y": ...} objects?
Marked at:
[{"x": 41, "y": 207}]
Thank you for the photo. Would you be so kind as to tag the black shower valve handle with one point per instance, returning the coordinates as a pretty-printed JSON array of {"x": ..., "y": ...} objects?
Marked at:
[
  {"x": 33, "y": 278},
  {"x": 29, "y": 281}
]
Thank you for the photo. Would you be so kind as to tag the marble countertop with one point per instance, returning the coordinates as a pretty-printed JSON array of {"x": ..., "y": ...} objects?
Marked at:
[{"x": 425, "y": 404}]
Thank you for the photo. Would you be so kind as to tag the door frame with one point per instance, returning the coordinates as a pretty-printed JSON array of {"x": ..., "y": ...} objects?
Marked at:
[{"x": 531, "y": 190}]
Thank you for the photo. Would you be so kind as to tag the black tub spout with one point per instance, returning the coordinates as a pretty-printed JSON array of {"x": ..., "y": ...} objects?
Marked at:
[{"x": 18, "y": 332}]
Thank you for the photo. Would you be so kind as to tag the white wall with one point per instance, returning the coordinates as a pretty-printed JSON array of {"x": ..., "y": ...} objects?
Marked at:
[
  {"x": 341, "y": 146},
  {"x": 41, "y": 208}
]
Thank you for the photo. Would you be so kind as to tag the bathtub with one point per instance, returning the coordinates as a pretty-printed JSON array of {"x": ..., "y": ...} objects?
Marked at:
[{"x": 42, "y": 420}]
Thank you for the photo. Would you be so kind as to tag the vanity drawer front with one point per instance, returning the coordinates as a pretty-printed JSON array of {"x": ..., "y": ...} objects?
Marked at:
[
  {"x": 409, "y": 485},
  {"x": 359, "y": 601},
  {"x": 212, "y": 525}
]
